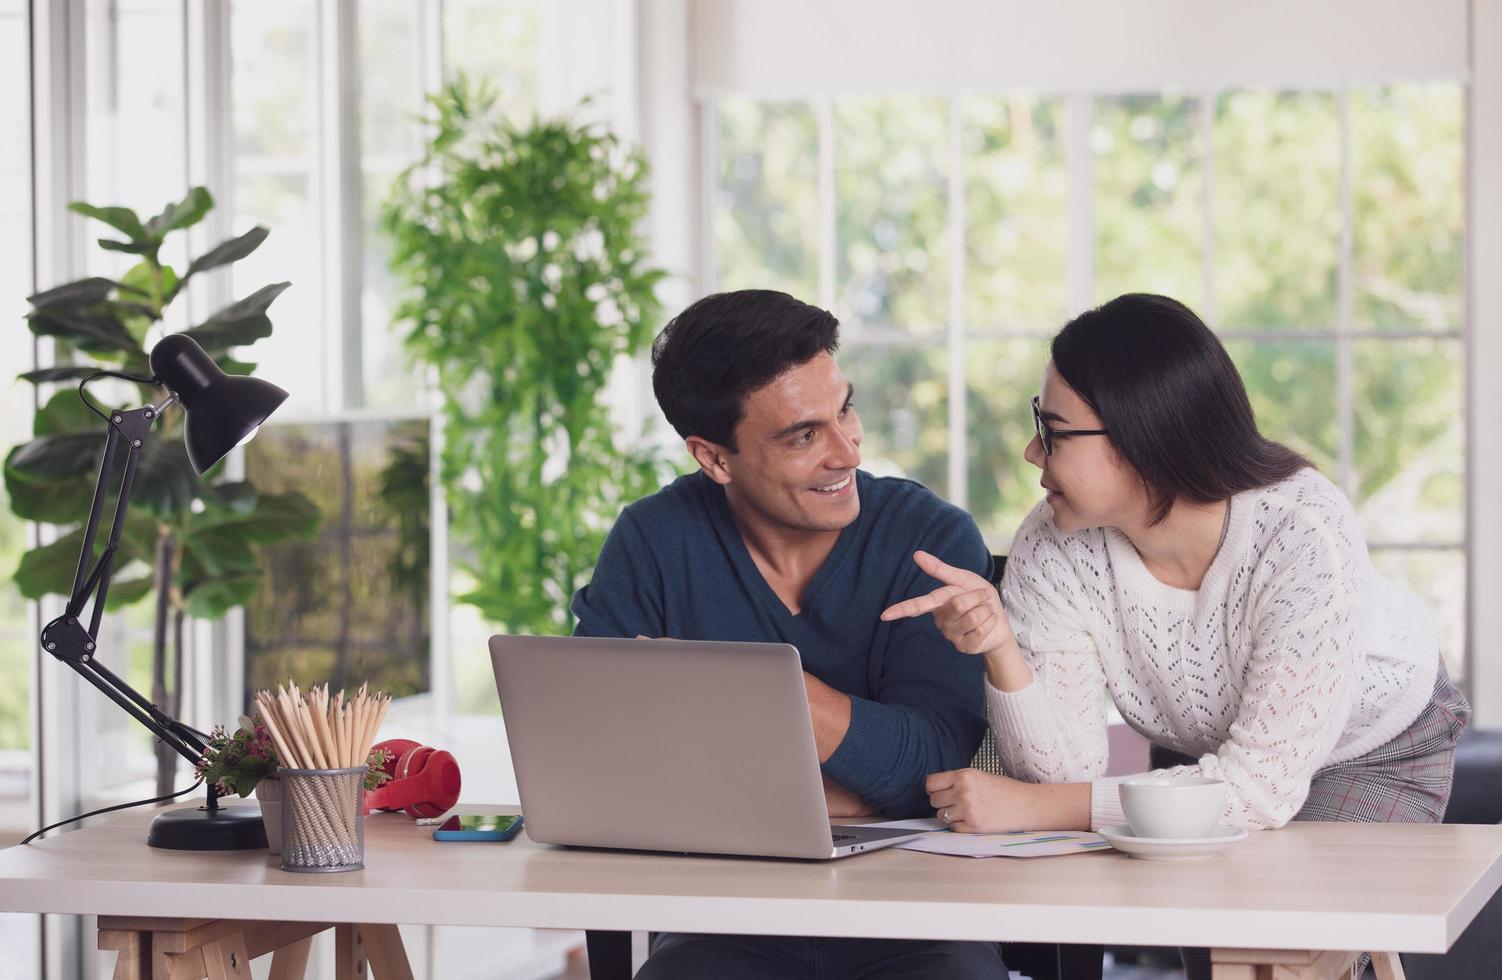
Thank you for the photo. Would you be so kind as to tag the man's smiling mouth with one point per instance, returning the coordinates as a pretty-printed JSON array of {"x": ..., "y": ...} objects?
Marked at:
[{"x": 834, "y": 488}]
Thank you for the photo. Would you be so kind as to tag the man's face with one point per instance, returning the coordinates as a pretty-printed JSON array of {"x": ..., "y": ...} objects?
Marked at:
[{"x": 799, "y": 442}]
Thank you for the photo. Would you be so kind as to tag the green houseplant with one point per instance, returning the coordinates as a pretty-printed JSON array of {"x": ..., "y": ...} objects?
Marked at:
[
  {"x": 526, "y": 279},
  {"x": 188, "y": 541}
]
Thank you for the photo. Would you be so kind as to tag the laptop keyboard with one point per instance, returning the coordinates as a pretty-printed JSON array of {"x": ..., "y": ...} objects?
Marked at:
[{"x": 840, "y": 837}]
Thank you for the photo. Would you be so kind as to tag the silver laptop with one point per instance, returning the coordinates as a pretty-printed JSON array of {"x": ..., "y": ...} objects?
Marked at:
[{"x": 668, "y": 745}]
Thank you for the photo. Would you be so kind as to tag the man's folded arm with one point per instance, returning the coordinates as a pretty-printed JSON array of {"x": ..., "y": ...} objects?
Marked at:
[
  {"x": 890, "y": 749},
  {"x": 929, "y": 713}
]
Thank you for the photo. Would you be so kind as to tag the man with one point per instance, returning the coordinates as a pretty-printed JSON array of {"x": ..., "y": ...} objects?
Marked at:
[{"x": 778, "y": 537}]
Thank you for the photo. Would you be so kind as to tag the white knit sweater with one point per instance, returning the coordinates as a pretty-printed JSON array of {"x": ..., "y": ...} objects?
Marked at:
[{"x": 1291, "y": 655}]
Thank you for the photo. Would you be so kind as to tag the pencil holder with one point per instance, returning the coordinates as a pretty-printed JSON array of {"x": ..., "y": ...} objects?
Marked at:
[{"x": 323, "y": 823}]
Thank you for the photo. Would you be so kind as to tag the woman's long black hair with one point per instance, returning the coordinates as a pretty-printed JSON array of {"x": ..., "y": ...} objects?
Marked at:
[{"x": 1172, "y": 399}]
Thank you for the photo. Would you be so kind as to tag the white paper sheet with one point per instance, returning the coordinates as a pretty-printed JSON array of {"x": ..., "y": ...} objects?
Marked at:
[{"x": 1023, "y": 844}]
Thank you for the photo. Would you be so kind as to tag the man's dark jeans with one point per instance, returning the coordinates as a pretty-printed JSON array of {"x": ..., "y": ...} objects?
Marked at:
[{"x": 684, "y": 956}]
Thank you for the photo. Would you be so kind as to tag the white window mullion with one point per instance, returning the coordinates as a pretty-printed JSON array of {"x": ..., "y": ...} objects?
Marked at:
[
  {"x": 209, "y": 143},
  {"x": 1081, "y": 163},
  {"x": 430, "y": 65},
  {"x": 1210, "y": 307},
  {"x": 338, "y": 199},
  {"x": 709, "y": 176},
  {"x": 58, "y": 80},
  {"x": 323, "y": 197},
  {"x": 1344, "y": 352},
  {"x": 958, "y": 416},
  {"x": 829, "y": 238},
  {"x": 428, "y": 24},
  {"x": 100, "y": 106},
  {"x": 214, "y": 660}
]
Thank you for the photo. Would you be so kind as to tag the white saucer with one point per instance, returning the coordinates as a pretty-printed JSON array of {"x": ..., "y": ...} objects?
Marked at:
[{"x": 1171, "y": 849}]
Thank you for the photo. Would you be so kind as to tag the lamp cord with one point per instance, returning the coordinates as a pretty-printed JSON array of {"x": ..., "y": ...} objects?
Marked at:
[
  {"x": 111, "y": 809},
  {"x": 109, "y": 374}
]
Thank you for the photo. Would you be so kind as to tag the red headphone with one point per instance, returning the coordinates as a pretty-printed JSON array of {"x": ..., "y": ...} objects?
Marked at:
[{"x": 424, "y": 781}]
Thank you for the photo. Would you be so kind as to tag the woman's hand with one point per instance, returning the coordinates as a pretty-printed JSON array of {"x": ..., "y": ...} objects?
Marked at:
[
  {"x": 967, "y": 609},
  {"x": 975, "y": 802}
]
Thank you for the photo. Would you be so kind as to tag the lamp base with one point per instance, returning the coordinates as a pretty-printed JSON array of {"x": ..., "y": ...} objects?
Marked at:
[{"x": 225, "y": 828}]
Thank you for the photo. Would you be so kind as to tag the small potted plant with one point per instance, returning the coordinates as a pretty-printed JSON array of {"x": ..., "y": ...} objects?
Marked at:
[
  {"x": 243, "y": 762},
  {"x": 246, "y": 761}
]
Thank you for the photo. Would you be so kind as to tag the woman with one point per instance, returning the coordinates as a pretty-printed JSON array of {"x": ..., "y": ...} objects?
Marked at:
[{"x": 1213, "y": 583}]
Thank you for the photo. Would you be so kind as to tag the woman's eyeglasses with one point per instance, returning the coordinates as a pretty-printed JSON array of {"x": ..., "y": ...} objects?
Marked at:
[{"x": 1047, "y": 435}]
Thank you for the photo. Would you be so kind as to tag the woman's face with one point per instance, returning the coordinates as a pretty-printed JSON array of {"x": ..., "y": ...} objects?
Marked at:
[{"x": 1088, "y": 483}]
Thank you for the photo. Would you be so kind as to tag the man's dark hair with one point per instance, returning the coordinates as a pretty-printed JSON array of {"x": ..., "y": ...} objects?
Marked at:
[
  {"x": 725, "y": 346},
  {"x": 1172, "y": 399}
]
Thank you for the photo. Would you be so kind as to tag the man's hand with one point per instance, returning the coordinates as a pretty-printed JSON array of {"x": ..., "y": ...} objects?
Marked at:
[
  {"x": 967, "y": 609},
  {"x": 975, "y": 802},
  {"x": 843, "y": 803}
]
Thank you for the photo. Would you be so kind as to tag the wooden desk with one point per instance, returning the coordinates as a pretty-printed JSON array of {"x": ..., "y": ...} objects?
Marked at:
[{"x": 1279, "y": 897}]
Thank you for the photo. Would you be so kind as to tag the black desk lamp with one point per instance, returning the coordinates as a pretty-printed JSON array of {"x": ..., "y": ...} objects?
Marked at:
[{"x": 223, "y": 412}]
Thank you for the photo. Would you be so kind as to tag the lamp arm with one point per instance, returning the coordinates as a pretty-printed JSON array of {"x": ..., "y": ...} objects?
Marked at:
[{"x": 66, "y": 638}]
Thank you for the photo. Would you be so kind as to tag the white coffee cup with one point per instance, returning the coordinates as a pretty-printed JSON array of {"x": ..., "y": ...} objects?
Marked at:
[{"x": 1178, "y": 807}]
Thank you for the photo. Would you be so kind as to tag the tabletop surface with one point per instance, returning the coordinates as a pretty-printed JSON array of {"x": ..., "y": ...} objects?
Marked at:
[{"x": 1395, "y": 887}]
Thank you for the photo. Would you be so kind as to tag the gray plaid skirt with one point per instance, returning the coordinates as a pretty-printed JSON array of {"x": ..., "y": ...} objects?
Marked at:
[{"x": 1406, "y": 780}]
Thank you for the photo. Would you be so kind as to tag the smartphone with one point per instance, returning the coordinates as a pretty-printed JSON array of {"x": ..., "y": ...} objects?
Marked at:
[{"x": 479, "y": 826}]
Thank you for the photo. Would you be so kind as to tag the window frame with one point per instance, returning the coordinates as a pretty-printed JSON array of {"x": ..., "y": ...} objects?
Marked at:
[
  {"x": 684, "y": 50},
  {"x": 1343, "y": 334}
]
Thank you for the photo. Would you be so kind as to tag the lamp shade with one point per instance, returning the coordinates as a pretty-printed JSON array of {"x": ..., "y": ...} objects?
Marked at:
[{"x": 223, "y": 410}]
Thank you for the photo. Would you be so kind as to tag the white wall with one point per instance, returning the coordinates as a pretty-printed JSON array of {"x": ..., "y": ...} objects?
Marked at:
[
  {"x": 1484, "y": 319},
  {"x": 766, "y": 45}
]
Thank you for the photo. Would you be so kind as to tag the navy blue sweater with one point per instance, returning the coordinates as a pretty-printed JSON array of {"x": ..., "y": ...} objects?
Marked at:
[{"x": 674, "y": 565}]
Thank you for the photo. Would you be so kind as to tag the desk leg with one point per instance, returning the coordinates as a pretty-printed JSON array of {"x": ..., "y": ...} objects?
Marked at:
[
  {"x": 134, "y": 961},
  {"x": 1280, "y": 964},
  {"x": 349, "y": 955},
  {"x": 227, "y": 958},
  {"x": 388, "y": 957},
  {"x": 291, "y": 962},
  {"x": 1276, "y": 964},
  {"x": 1235, "y": 971},
  {"x": 221, "y": 949}
]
